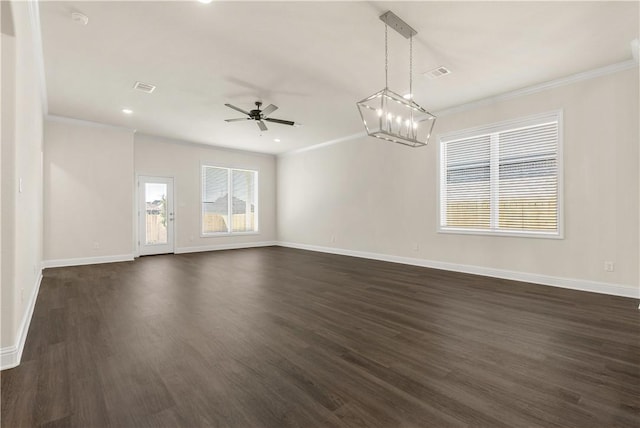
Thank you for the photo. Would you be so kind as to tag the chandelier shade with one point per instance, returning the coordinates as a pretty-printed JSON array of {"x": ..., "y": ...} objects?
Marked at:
[{"x": 389, "y": 116}]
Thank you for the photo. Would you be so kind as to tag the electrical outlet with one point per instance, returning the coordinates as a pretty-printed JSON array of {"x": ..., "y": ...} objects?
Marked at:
[
  {"x": 416, "y": 247},
  {"x": 609, "y": 266},
  {"x": 333, "y": 238},
  {"x": 96, "y": 245}
]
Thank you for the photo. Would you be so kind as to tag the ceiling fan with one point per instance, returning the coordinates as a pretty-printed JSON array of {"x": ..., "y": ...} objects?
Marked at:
[{"x": 259, "y": 115}]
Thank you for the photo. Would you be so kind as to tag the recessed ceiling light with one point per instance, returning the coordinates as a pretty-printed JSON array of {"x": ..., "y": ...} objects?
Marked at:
[
  {"x": 407, "y": 96},
  {"x": 277, "y": 140},
  {"x": 127, "y": 111},
  {"x": 205, "y": 1}
]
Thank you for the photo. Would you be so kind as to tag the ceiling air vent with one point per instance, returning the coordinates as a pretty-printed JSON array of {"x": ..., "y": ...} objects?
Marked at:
[
  {"x": 437, "y": 72},
  {"x": 144, "y": 87}
]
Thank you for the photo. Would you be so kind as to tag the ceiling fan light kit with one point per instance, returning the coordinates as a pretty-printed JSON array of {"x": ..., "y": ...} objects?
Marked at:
[{"x": 390, "y": 116}]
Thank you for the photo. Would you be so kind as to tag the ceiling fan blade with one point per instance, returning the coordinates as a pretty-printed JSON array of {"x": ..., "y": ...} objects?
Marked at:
[
  {"x": 237, "y": 109},
  {"x": 269, "y": 109},
  {"x": 262, "y": 126},
  {"x": 283, "y": 122},
  {"x": 237, "y": 120}
]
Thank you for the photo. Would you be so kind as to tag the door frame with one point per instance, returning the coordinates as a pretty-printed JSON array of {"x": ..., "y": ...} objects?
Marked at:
[{"x": 137, "y": 213}]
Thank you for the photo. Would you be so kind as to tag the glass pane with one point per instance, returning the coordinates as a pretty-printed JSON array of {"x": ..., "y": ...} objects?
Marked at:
[
  {"x": 215, "y": 200},
  {"x": 244, "y": 207},
  {"x": 468, "y": 185},
  {"x": 156, "y": 213},
  {"x": 528, "y": 184}
]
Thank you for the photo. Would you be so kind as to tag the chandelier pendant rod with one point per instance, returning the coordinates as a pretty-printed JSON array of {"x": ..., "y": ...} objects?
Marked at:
[
  {"x": 411, "y": 67},
  {"x": 411, "y": 131},
  {"x": 386, "y": 57}
]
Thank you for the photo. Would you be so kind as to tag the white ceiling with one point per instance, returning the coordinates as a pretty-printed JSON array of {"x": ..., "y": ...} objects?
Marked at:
[{"x": 314, "y": 60}]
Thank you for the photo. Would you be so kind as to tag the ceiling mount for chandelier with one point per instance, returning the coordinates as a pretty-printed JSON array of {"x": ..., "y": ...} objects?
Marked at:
[{"x": 390, "y": 116}]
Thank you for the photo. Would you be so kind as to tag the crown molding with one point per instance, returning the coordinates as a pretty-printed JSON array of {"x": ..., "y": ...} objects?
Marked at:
[
  {"x": 534, "y": 89},
  {"x": 326, "y": 143},
  {"x": 171, "y": 140},
  {"x": 529, "y": 90},
  {"x": 87, "y": 123},
  {"x": 36, "y": 38},
  {"x": 34, "y": 16}
]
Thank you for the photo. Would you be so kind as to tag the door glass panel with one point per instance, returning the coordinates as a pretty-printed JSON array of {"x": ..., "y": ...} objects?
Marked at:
[{"x": 156, "y": 213}]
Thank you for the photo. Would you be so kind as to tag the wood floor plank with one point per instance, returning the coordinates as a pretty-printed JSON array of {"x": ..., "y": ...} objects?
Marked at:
[
  {"x": 53, "y": 400},
  {"x": 277, "y": 337},
  {"x": 18, "y": 395}
]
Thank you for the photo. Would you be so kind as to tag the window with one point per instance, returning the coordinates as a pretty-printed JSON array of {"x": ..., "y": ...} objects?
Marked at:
[
  {"x": 229, "y": 200},
  {"x": 503, "y": 179}
]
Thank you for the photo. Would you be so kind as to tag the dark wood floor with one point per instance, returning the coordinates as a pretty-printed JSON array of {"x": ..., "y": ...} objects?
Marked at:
[{"x": 275, "y": 337}]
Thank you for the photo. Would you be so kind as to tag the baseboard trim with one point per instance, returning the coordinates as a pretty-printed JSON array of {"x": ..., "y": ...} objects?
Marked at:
[
  {"x": 570, "y": 283},
  {"x": 10, "y": 356},
  {"x": 87, "y": 260},
  {"x": 234, "y": 246}
]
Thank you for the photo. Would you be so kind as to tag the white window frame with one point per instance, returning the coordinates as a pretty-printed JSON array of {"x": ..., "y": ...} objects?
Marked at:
[
  {"x": 537, "y": 119},
  {"x": 229, "y": 231}
]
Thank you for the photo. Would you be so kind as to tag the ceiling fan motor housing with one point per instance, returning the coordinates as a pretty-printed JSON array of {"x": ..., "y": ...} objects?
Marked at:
[{"x": 256, "y": 114}]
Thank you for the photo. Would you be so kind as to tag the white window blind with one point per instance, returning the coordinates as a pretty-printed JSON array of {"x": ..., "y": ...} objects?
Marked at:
[
  {"x": 243, "y": 190},
  {"x": 229, "y": 200},
  {"x": 502, "y": 179}
]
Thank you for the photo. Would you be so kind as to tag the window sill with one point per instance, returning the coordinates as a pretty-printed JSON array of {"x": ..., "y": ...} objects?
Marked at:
[{"x": 514, "y": 234}]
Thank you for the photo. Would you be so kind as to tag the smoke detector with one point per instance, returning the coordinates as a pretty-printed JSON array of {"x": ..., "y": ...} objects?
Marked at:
[
  {"x": 80, "y": 18},
  {"x": 437, "y": 72}
]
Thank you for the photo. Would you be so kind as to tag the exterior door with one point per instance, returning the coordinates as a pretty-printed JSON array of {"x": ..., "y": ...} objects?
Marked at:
[{"x": 155, "y": 215}]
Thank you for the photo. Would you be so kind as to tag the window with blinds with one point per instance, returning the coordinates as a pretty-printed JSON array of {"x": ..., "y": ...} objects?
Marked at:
[
  {"x": 503, "y": 178},
  {"x": 229, "y": 200}
]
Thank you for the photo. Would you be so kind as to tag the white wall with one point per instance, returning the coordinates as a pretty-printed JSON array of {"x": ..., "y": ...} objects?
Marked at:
[
  {"x": 22, "y": 113},
  {"x": 378, "y": 197},
  {"x": 88, "y": 192},
  {"x": 7, "y": 153},
  {"x": 164, "y": 157}
]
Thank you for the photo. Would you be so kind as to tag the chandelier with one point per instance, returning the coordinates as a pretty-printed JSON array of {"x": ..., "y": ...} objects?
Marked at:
[{"x": 390, "y": 116}]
